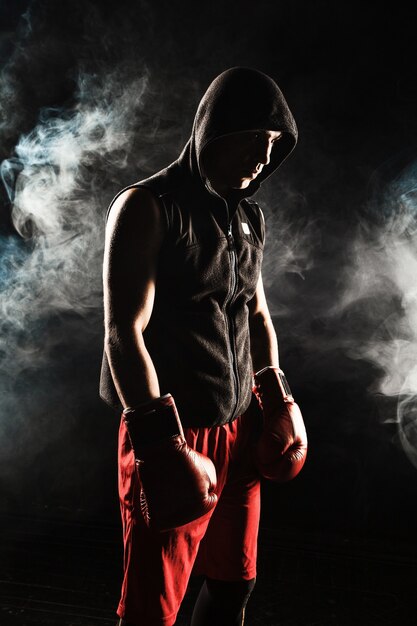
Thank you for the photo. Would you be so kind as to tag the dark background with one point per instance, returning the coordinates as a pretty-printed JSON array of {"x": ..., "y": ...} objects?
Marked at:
[{"x": 96, "y": 95}]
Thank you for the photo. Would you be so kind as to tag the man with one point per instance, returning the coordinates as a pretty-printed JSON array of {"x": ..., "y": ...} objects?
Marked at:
[{"x": 186, "y": 327}]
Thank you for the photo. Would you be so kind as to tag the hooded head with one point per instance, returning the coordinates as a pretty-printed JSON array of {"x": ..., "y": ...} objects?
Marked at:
[{"x": 241, "y": 100}]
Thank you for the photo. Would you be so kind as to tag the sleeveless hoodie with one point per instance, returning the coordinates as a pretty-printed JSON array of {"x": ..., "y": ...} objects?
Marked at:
[{"x": 210, "y": 259}]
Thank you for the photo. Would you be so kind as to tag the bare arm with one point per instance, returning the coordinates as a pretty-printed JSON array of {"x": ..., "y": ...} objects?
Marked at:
[
  {"x": 264, "y": 343},
  {"x": 133, "y": 240}
]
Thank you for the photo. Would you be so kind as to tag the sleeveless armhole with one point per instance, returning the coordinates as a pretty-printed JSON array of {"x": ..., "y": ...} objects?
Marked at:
[
  {"x": 158, "y": 198},
  {"x": 254, "y": 206},
  {"x": 261, "y": 213}
]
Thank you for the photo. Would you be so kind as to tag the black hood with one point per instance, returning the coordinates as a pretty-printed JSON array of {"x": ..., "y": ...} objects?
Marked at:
[{"x": 238, "y": 100}]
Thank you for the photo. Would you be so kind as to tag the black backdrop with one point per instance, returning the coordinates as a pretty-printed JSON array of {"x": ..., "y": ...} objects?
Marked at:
[{"x": 95, "y": 95}]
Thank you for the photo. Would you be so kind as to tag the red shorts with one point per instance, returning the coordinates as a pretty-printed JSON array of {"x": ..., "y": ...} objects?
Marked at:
[{"x": 222, "y": 544}]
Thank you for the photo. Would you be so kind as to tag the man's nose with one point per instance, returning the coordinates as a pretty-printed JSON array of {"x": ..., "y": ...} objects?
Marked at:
[{"x": 263, "y": 149}]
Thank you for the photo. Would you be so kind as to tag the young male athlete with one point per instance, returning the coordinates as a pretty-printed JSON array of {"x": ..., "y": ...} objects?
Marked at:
[{"x": 191, "y": 358}]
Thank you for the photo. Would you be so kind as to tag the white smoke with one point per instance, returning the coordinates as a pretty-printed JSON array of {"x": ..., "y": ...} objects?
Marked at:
[
  {"x": 291, "y": 240},
  {"x": 59, "y": 200},
  {"x": 381, "y": 282}
]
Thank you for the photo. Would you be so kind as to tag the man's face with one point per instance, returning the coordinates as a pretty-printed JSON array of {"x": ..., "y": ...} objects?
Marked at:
[{"x": 234, "y": 161}]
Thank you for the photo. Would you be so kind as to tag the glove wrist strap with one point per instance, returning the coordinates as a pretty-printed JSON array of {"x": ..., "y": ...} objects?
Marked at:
[
  {"x": 271, "y": 375},
  {"x": 268, "y": 367},
  {"x": 152, "y": 422}
]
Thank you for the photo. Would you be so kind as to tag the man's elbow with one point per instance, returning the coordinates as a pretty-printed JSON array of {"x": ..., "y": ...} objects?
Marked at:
[
  {"x": 259, "y": 321},
  {"x": 117, "y": 333}
]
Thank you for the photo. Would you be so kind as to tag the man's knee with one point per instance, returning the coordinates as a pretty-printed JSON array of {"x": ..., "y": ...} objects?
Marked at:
[
  {"x": 222, "y": 602},
  {"x": 232, "y": 596}
]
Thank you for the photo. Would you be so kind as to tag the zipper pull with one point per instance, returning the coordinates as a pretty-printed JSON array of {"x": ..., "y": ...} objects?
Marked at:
[{"x": 230, "y": 236}]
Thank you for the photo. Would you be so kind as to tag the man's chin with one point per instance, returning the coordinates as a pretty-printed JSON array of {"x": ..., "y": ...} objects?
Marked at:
[{"x": 242, "y": 184}]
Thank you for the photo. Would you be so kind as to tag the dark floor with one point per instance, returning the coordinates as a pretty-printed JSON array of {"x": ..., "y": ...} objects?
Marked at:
[{"x": 68, "y": 574}]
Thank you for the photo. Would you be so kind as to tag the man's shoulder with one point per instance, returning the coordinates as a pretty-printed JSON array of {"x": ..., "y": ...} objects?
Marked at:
[
  {"x": 166, "y": 181},
  {"x": 162, "y": 183}
]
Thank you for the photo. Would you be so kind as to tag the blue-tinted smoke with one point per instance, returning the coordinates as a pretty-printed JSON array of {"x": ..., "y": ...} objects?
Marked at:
[
  {"x": 58, "y": 184},
  {"x": 381, "y": 283}
]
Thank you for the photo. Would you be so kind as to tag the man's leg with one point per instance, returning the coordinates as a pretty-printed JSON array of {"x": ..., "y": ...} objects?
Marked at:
[
  {"x": 227, "y": 553},
  {"x": 222, "y": 603}
]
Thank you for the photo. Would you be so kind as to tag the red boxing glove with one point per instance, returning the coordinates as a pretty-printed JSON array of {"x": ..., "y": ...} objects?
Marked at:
[
  {"x": 282, "y": 446},
  {"x": 177, "y": 483}
]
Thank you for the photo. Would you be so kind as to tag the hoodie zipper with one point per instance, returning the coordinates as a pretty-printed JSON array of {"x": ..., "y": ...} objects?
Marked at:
[
  {"x": 228, "y": 315},
  {"x": 231, "y": 346}
]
